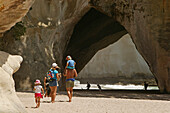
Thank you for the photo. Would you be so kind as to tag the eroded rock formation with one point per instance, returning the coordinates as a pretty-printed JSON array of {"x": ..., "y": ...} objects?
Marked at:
[
  {"x": 9, "y": 102},
  {"x": 118, "y": 63},
  {"x": 148, "y": 23},
  {"x": 47, "y": 34},
  {"x": 82, "y": 27},
  {"x": 12, "y": 11}
]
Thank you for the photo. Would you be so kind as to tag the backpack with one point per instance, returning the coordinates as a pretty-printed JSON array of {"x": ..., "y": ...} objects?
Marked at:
[{"x": 50, "y": 75}]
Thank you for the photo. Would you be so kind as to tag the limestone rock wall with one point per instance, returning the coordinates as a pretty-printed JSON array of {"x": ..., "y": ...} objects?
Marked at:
[
  {"x": 11, "y": 12},
  {"x": 48, "y": 27},
  {"x": 49, "y": 34},
  {"x": 119, "y": 62},
  {"x": 9, "y": 103},
  {"x": 147, "y": 22}
]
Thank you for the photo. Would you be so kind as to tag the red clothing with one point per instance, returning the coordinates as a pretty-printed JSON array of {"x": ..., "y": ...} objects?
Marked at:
[{"x": 38, "y": 95}]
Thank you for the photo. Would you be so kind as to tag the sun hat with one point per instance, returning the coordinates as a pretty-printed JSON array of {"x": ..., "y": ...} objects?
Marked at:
[
  {"x": 68, "y": 57},
  {"x": 55, "y": 65},
  {"x": 37, "y": 82}
]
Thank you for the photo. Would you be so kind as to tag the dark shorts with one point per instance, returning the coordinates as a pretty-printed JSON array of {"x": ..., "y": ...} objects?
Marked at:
[{"x": 53, "y": 83}]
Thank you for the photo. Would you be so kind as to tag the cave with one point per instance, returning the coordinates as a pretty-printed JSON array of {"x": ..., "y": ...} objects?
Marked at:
[
  {"x": 95, "y": 31},
  {"x": 92, "y": 33}
]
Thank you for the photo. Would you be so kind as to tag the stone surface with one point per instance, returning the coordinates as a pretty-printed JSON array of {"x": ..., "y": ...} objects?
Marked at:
[
  {"x": 48, "y": 31},
  {"x": 54, "y": 29},
  {"x": 9, "y": 103},
  {"x": 148, "y": 24},
  {"x": 12, "y": 11},
  {"x": 117, "y": 63}
]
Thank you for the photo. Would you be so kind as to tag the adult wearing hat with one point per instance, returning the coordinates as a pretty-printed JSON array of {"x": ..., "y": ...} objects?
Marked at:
[
  {"x": 70, "y": 74},
  {"x": 53, "y": 76}
]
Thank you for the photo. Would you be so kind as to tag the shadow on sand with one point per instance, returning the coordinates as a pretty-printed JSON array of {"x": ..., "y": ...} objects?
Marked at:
[
  {"x": 123, "y": 94},
  {"x": 55, "y": 101}
]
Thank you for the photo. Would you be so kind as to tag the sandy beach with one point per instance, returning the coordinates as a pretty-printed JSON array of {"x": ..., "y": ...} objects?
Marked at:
[{"x": 117, "y": 101}]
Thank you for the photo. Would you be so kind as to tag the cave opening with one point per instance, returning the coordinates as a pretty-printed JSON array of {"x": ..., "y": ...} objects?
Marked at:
[{"x": 92, "y": 33}]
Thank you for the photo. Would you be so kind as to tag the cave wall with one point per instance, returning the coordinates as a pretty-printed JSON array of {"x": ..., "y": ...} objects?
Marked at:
[
  {"x": 147, "y": 22},
  {"x": 48, "y": 28},
  {"x": 11, "y": 12}
]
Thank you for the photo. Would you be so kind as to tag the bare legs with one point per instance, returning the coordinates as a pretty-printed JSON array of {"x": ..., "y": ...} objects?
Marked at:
[
  {"x": 70, "y": 93},
  {"x": 37, "y": 100},
  {"x": 53, "y": 93}
]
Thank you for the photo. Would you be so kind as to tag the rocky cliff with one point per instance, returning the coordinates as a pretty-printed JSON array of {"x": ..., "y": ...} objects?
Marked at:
[
  {"x": 54, "y": 29},
  {"x": 11, "y": 12},
  {"x": 9, "y": 103},
  {"x": 48, "y": 27},
  {"x": 148, "y": 24}
]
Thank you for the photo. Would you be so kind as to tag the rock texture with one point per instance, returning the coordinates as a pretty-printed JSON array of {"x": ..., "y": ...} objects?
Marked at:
[
  {"x": 117, "y": 63},
  {"x": 9, "y": 103},
  {"x": 56, "y": 28},
  {"x": 148, "y": 23},
  {"x": 12, "y": 11},
  {"x": 49, "y": 26}
]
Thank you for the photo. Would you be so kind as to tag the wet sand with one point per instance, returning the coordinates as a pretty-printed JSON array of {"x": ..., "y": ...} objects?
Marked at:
[{"x": 112, "y": 101}]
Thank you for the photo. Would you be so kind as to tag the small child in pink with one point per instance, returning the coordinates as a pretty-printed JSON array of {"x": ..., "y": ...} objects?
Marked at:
[{"x": 37, "y": 89}]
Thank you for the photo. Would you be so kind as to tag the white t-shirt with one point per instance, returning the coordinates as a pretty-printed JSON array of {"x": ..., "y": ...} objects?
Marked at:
[{"x": 38, "y": 89}]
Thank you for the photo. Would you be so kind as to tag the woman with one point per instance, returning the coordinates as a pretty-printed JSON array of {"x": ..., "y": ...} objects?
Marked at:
[{"x": 53, "y": 76}]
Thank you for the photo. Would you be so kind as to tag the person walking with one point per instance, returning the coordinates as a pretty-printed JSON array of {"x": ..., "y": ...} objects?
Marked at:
[
  {"x": 88, "y": 86},
  {"x": 145, "y": 85},
  {"x": 70, "y": 75},
  {"x": 100, "y": 89},
  {"x": 46, "y": 87},
  {"x": 53, "y": 76},
  {"x": 37, "y": 89}
]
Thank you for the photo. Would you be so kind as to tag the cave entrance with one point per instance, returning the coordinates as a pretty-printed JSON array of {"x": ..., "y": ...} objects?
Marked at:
[
  {"x": 92, "y": 33},
  {"x": 118, "y": 66}
]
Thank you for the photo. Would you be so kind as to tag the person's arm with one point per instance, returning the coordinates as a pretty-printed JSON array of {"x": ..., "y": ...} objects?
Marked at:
[
  {"x": 45, "y": 82},
  {"x": 66, "y": 65},
  {"x": 65, "y": 74},
  {"x": 57, "y": 76},
  {"x": 75, "y": 73},
  {"x": 34, "y": 89}
]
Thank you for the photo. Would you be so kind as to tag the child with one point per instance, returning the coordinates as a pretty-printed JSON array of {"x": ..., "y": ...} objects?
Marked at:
[
  {"x": 37, "y": 89},
  {"x": 47, "y": 87},
  {"x": 70, "y": 63}
]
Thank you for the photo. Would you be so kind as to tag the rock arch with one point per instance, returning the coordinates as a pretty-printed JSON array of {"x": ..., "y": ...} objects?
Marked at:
[
  {"x": 93, "y": 32},
  {"x": 149, "y": 30},
  {"x": 146, "y": 21}
]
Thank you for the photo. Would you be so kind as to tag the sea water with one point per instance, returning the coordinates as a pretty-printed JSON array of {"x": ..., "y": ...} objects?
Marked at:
[{"x": 111, "y": 86}]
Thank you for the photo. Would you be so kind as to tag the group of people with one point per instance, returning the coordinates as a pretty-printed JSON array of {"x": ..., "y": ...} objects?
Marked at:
[{"x": 51, "y": 81}]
